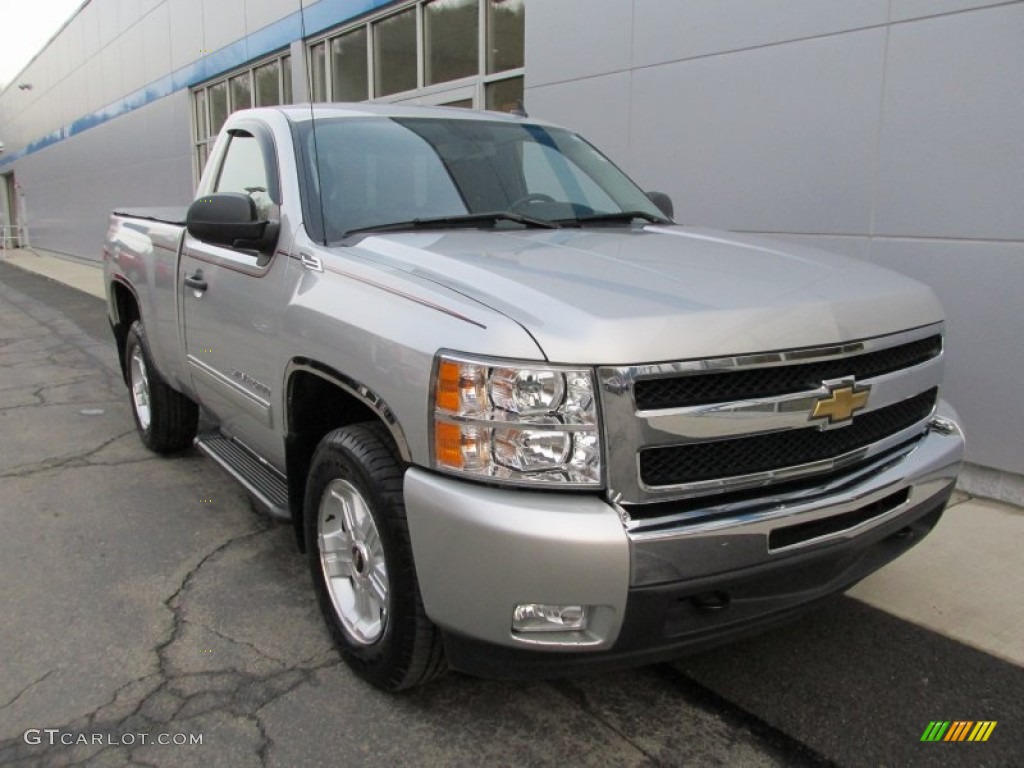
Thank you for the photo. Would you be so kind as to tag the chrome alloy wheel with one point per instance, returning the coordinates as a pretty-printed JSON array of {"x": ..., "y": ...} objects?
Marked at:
[
  {"x": 140, "y": 388},
  {"x": 352, "y": 560}
]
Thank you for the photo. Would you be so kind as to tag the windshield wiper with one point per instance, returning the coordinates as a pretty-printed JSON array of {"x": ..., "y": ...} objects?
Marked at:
[
  {"x": 465, "y": 220},
  {"x": 623, "y": 216}
]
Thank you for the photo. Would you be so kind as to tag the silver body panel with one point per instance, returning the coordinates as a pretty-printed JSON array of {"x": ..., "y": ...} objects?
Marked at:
[
  {"x": 481, "y": 551},
  {"x": 619, "y": 296}
]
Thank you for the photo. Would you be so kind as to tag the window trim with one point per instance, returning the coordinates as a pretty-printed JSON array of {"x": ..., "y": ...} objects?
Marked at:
[{"x": 268, "y": 149}]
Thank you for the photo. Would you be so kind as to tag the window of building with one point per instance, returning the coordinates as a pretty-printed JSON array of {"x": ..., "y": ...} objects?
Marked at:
[
  {"x": 466, "y": 53},
  {"x": 317, "y": 71},
  {"x": 506, "y": 38},
  {"x": 350, "y": 67},
  {"x": 268, "y": 84},
  {"x": 451, "y": 40},
  {"x": 394, "y": 53},
  {"x": 265, "y": 83}
]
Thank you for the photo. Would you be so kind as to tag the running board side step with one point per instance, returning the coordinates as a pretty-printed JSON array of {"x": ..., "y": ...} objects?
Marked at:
[{"x": 266, "y": 484}]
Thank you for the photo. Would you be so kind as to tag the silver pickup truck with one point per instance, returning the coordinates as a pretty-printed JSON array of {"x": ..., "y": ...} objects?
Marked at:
[{"x": 521, "y": 421}]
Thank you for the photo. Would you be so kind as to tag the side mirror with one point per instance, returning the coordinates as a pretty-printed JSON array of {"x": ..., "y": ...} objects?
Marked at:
[
  {"x": 664, "y": 203},
  {"x": 228, "y": 218}
]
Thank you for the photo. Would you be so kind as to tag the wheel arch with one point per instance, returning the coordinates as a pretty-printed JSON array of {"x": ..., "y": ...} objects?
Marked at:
[
  {"x": 125, "y": 311},
  {"x": 340, "y": 401}
]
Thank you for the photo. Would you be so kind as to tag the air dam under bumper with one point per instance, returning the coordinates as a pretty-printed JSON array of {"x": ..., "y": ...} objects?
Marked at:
[{"x": 481, "y": 551}]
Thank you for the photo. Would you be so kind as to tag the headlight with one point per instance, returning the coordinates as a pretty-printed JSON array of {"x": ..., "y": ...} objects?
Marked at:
[{"x": 526, "y": 424}]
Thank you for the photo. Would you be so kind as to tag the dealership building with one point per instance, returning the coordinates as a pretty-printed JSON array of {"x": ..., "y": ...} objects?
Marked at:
[{"x": 888, "y": 130}]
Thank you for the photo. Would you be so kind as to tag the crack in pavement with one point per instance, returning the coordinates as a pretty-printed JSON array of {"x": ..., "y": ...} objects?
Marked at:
[
  {"x": 169, "y": 698},
  {"x": 236, "y": 641},
  {"x": 79, "y": 459},
  {"x": 26, "y": 689}
]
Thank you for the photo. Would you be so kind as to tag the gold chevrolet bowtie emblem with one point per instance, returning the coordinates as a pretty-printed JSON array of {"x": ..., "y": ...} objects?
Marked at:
[{"x": 841, "y": 403}]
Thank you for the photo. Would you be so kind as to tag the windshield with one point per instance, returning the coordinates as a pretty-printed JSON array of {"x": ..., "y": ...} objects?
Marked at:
[{"x": 374, "y": 172}]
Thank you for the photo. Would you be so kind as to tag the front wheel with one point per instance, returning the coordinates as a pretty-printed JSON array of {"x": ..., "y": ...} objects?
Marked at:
[
  {"x": 361, "y": 560},
  {"x": 166, "y": 420}
]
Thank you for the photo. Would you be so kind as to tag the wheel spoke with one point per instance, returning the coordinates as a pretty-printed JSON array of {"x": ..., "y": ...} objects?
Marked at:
[
  {"x": 362, "y": 521},
  {"x": 372, "y": 544},
  {"x": 347, "y": 513},
  {"x": 336, "y": 554},
  {"x": 336, "y": 541},
  {"x": 365, "y": 610},
  {"x": 378, "y": 582}
]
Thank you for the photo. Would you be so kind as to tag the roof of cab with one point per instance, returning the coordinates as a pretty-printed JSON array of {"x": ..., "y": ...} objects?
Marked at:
[{"x": 304, "y": 112}]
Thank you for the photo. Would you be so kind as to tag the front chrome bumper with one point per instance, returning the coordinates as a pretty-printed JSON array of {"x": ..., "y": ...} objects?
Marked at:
[{"x": 480, "y": 551}]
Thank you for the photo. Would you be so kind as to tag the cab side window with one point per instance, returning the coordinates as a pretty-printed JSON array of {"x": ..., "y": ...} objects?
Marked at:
[{"x": 245, "y": 171}]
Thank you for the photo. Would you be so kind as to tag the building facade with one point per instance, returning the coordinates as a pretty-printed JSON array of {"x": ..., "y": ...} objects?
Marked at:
[{"x": 889, "y": 130}]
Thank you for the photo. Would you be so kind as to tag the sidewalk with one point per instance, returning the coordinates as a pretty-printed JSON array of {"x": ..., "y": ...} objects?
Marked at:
[
  {"x": 84, "y": 276},
  {"x": 960, "y": 581}
]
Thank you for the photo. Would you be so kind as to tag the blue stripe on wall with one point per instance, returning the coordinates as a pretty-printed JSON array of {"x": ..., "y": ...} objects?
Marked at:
[{"x": 317, "y": 18}]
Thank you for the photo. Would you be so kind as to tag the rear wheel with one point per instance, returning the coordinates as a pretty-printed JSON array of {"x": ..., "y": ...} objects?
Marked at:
[
  {"x": 166, "y": 420},
  {"x": 361, "y": 560}
]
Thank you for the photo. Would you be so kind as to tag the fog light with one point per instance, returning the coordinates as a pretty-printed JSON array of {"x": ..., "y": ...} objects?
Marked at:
[{"x": 539, "y": 617}]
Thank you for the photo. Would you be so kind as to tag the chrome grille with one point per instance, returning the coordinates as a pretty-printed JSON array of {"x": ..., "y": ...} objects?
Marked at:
[
  {"x": 681, "y": 430},
  {"x": 703, "y": 388},
  {"x": 679, "y": 464}
]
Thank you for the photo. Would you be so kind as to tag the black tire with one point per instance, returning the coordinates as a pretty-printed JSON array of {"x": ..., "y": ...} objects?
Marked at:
[
  {"x": 169, "y": 425},
  {"x": 404, "y": 648}
]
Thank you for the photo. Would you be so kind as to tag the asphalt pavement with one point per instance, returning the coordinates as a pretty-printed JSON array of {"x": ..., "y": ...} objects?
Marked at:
[{"x": 144, "y": 600}]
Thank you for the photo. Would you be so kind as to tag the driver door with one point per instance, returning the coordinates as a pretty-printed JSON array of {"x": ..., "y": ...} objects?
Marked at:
[{"x": 232, "y": 300}]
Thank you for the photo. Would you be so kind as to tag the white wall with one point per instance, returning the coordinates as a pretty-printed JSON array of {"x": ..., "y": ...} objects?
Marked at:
[
  {"x": 110, "y": 50},
  {"x": 141, "y": 159},
  {"x": 890, "y": 130}
]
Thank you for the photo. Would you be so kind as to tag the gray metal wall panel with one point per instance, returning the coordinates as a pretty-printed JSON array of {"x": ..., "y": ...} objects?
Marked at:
[
  {"x": 911, "y": 128},
  {"x": 758, "y": 140},
  {"x": 140, "y": 159},
  {"x": 156, "y": 55},
  {"x": 915, "y": 9},
  {"x": 88, "y": 21},
  {"x": 952, "y": 140},
  {"x": 570, "y": 40},
  {"x": 186, "y": 29},
  {"x": 260, "y": 13},
  {"x": 223, "y": 23},
  {"x": 980, "y": 288},
  {"x": 670, "y": 30}
]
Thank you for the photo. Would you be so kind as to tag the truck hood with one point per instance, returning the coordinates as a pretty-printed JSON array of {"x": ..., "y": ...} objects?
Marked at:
[{"x": 622, "y": 296}]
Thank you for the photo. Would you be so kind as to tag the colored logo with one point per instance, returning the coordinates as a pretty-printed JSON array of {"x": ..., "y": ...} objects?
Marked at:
[
  {"x": 958, "y": 730},
  {"x": 841, "y": 402}
]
